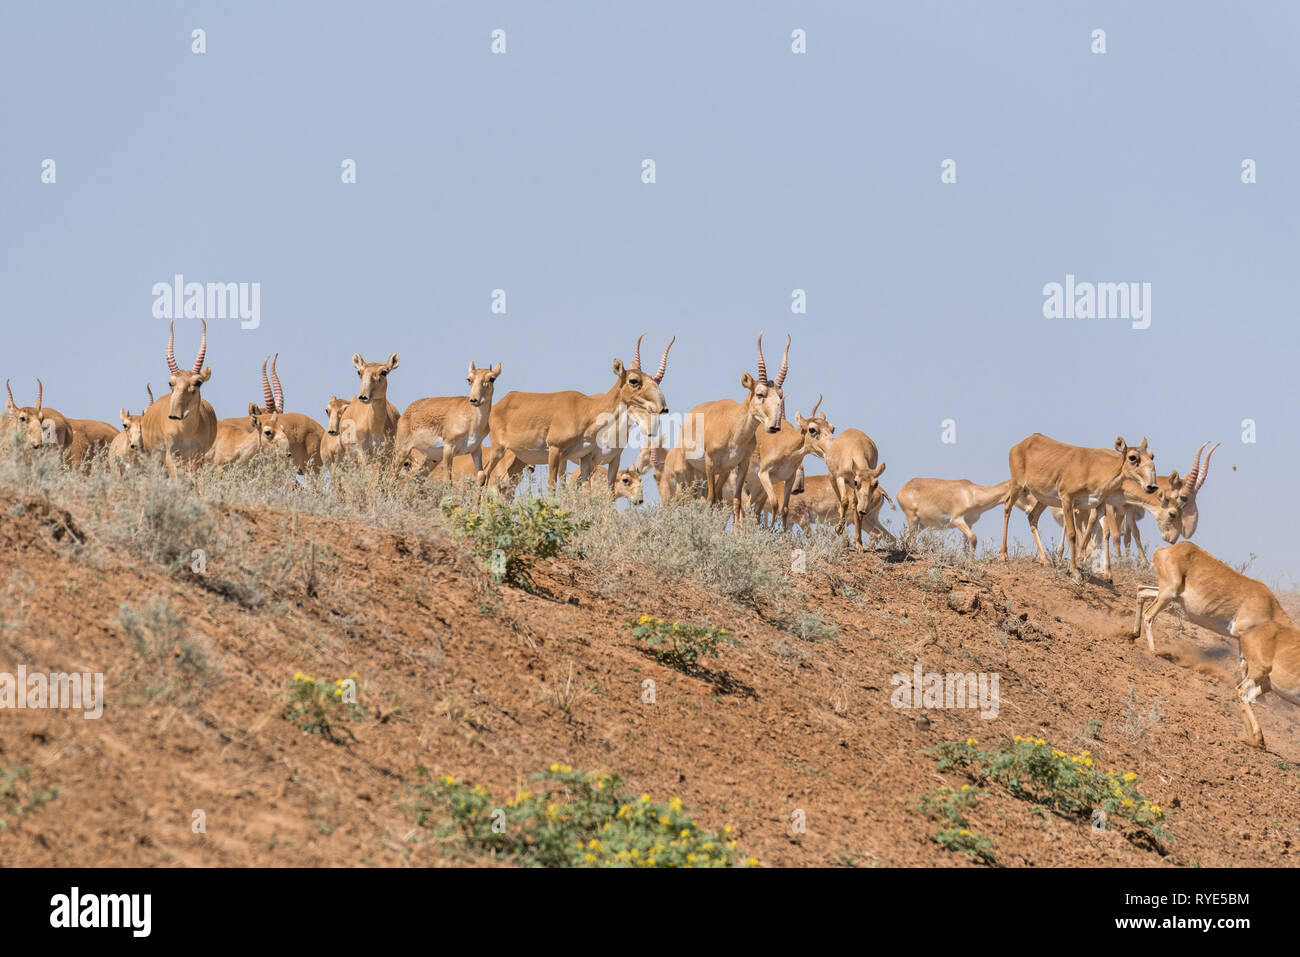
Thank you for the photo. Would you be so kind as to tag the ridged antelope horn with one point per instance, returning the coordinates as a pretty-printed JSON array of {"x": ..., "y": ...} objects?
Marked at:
[
  {"x": 172, "y": 367},
  {"x": 657, "y": 457},
  {"x": 1206, "y": 473},
  {"x": 663, "y": 362},
  {"x": 785, "y": 364},
  {"x": 636, "y": 358},
  {"x": 762, "y": 366},
  {"x": 11, "y": 394},
  {"x": 1190, "y": 481},
  {"x": 40, "y": 397},
  {"x": 267, "y": 397},
  {"x": 148, "y": 388},
  {"x": 816, "y": 407},
  {"x": 203, "y": 347},
  {"x": 276, "y": 387}
]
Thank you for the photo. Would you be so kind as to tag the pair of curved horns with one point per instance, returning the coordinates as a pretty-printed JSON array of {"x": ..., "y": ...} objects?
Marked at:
[
  {"x": 1196, "y": 478},
  {"x": 785, "y": 362},
  {"x": 663, "y": 360},
  {"x": 172, "y": 367},
  {"x": 272, "y": 391},
  {"x": 40, "y": 393}
]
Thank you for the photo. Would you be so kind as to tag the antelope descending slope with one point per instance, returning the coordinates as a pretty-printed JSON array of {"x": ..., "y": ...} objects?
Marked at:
[
  {"x": 332, "y": 443},
  {"x": 951, "y": 503},
  {"x": 441, "y": 429},
  {"x": 303, "y": 432},
  {"x": 611, "y": 453},
  {"x": 819, "y": 504},
  {"x": 239, "y": 439},
  {"x": 129, "y": 443},
  {"x": 550, "y": 428},
  {"x": 1072, "y": 477},
  {"x": 851, "y": 462},
  {"x": 1225, "y": 601},
  {"x": 77, "y": 439},
  {"x": 369, "y": 423},
  {"x": 721, "y": 436},
  {"x": 778, "y": 457}
]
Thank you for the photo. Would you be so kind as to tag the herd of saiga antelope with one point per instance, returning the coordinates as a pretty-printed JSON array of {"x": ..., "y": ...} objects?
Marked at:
[{"x": 727, "y": 445}]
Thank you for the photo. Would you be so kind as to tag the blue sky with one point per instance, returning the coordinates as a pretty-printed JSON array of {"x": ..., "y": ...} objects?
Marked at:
[{"x": 775, "y": 171}]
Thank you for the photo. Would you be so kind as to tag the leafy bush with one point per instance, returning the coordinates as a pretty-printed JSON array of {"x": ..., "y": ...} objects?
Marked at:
[
  {"x": 512, "y": 537},
  {"x": 18, "y": 797},
  {"x": 576, "y": 819},
  {"x": 323, "y": 707},
  {"x": 677, "y": 643},
  {"x": 949, "y": 806}
]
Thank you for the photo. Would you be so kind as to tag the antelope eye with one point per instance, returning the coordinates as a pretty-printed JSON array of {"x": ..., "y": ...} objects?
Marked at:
[{"x": 383, "y": 372}]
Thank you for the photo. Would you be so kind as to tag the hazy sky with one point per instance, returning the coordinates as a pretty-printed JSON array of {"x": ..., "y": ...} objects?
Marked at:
[{"x": 775, "y": 172}]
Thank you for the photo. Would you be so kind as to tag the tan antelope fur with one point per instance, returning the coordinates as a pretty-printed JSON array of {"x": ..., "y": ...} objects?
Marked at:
[
  {"x": 369, "y": 423},
  {"x": 933, "y": 503},
  {"x": 182, "y": 426},
  {"x": 442, "y": 429},
  {"x": 1228, "y": 603},
  {"x": 304, "y": 433}
]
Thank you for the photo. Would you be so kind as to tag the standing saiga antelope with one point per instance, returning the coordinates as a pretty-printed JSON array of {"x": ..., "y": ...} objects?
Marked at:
[
  {"x": 550, "y": 428},
  {"x": 239, "y": 439},
  {"x": 1225, "y": 601},
  {"x": 182, "y": 425},
  {"x": 130, "y": 441},
  {"x": 303, "y": 432},
  {"x": 778, "y": 456},
  {"x": 332, "y": 442},
  {"x": 951, "y": 503},
  {"x": 719, "y": 437},
  {"x": 1072, "y": 477},
  {"x": 369, "y": 423},
  {"x": 435, "y": 431},
  {"x": 851, "y": 462}
]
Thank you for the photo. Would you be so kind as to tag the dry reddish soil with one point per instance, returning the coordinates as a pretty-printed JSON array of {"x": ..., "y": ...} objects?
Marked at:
[{"x": 468, "y": 679}]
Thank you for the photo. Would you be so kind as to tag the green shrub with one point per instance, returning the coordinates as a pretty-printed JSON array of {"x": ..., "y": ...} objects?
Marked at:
[
  {"x": 512, "y": 537},
  {"x": 322, "y": 707},
  {"x": 679, "y": 644},
  {"x": 576, "y": 819}
]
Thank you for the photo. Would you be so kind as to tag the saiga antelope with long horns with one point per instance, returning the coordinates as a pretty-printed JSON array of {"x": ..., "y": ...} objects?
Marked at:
[
  {"x": 369, "y": 422},
  {"x": 182, "y": 425},
  {"x": 721, "y": 436},
  {"x": 1228, "y": 603},
  {"x": 443, "y": 428},
  {"x": 612, "y": 455},
  {"x": 76, "y": 439},
  {"x": 239, "y": 439},
  {"x": 550, "y": 428},
  {"x": 1072, "y": 477},
  {"x": 303, "y": 432}
]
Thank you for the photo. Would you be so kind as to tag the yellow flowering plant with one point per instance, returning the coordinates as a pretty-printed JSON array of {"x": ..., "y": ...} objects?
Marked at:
[
  {"x": 511, "y": 537},
  {"x": 574, "y": 818},
  {"x": 678, "y": 643},
  {"x": 324, "y": 707}
]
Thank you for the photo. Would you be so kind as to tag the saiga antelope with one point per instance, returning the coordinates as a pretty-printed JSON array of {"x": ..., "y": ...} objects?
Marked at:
[
  {"x": 722, "y": 435},
  {"x": 779, "y": 456},
  {"x": 550, "y": 428},
  {"x": 819, "y": 504},
  {"x": 130, "y": 441},
  {"x": 369, "y": 423},
  {"x": 626, "y": 484},
  {"x": 332, "y": 442},
  {"x": 303, "y": 432},
  {"x": 1225, "y": 601},
  {"x": 851, "y": 462},
  {"x": 239, "y": 439},
  {"x": 951, "y": 503},
  {"x": 1072, "y": 477},
  {"x": 443, "y": 428},
  {"x": 76, "y": 439}
]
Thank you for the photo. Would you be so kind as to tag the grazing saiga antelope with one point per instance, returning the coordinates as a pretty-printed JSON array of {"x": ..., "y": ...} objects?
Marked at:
[
  {"x": 76, "y": 439},
  {"x": 1072, "y": 477},
  {"x": 719, "y": 437},
  {"x": 130, "y": 441},
  {"x": 951, "y": 503},
  {"x": 303, "y": 432},
  {"x": 183, "y": 425},
  {"x": 778, "y": 456},
  {"x": 819, "y": 504},
  {"x": 1225, "y": 601},
  {"x": 443, "y": 428},
  {"x": 369, "y": 423},
  {"x": 550, "y": 428}
]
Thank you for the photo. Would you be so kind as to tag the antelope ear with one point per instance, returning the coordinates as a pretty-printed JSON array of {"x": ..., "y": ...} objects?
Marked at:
[
  {"x": 878, "y": 471},
  {"x": 1143, "y": 445},
  {"x": 496, "y": 370},
  {"x": 1174, "y": 479},
  {"x": 1120, "y": 444},
  {"x": 126, "y": 419},
  {"x": 799, "y": 420},
  {"x": 357, "y": 361},
  {"x": 472, "y": 368},
  {"x": 253, "y": 409},
  {"x": 618, "y": 368},
  {"x": 392, "y": 362},
  {"x": 206, "y": 374},
  {"x": 253, "y": 417},
  {"x": 747, "y": 381}
]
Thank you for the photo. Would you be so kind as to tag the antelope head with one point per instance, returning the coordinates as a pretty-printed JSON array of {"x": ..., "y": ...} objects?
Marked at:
[
  {"x": 640, "y": 392},
  {"x": 865, "y": 484},
  {"x": 270, "y": 431},
  {"x": 1184, "y": 490},
  {"x": 334, "y": 413},
  {"x": 133, "y": 426},
  {"x": 766, "y": 401},
  {"x": 1139, "y": 464},
  {"x": 28, "y": 418},
  {"x": 627, "y": 484},
  {"x": 817, "y": 431},
  {"x": 185, "y": 383},
  {"x": 481, "y": 382},
  {"x": 374, "y": 378}
]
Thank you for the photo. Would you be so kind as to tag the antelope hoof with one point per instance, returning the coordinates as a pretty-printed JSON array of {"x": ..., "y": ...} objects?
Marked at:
[{"x": 1255, "y": 742}]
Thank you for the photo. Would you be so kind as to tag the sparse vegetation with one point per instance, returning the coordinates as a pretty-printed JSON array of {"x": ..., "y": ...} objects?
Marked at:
[
  {"x": 679, "y": 644},
  {"x": 18, "y": 796},
  {"x": 511, "y": 538},
  {"x": 319, "y": 706}
]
